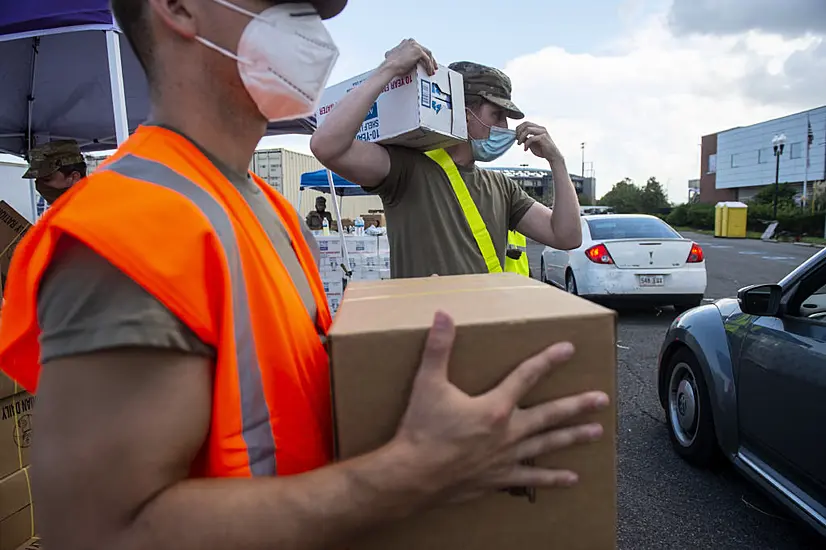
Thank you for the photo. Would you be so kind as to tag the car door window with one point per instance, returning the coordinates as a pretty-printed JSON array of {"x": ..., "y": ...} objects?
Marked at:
[{"x": 809, "y": 301}]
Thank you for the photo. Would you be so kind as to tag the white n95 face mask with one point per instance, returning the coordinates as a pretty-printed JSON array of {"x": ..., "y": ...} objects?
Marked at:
[{"x": 285, "y": 56}]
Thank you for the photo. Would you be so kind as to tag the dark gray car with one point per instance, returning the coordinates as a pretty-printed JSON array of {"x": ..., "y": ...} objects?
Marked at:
[{"x": 745, "y": 379}]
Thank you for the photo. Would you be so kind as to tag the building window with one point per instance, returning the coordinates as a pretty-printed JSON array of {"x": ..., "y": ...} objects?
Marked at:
[
  {"x": 796, "y": 150},
  {"x": 734, "y": 161},
  {"x": 712, "y": 164},
  {"x": 765, "y": 155}
]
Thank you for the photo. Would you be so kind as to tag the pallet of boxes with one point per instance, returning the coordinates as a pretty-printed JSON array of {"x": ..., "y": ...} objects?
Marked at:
[
  {"x": 17, "y": 529},
  {"x": 369, "y": 260},
  {"x": 376, "y": 341}
]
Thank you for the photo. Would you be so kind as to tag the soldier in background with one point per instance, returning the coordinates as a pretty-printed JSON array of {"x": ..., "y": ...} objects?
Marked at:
[
  {"x": 315, "y": 219},
  {"x": 55, "y": 167}
]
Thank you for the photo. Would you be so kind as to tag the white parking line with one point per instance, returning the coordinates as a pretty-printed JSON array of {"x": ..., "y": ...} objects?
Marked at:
[
  {"x": 778, "y": 258},
  {"x": 750, "y": 253}
]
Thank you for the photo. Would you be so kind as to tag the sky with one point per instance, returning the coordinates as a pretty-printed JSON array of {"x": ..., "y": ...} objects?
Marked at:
[{"x": 639, "y": 81}]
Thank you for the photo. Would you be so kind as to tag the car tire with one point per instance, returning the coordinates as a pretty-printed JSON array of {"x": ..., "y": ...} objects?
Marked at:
[
  {"x": 570, "y": 283},
  {"x": 685, "y": 306},
  {"x": 688, "y": 411}
]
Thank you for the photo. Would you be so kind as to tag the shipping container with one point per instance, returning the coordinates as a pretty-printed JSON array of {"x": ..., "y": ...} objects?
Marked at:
[{"x": 282, "y": 169}]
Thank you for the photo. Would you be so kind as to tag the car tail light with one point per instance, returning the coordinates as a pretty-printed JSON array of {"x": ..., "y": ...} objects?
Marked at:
[
  {"x": 696, "y": 254},
  {"x": 599, "y": 255}
]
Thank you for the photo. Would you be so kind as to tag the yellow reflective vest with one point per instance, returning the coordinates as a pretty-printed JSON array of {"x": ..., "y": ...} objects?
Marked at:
[
  {"x": 517, "y": 241},
  {"x": 477, "y": 224}
]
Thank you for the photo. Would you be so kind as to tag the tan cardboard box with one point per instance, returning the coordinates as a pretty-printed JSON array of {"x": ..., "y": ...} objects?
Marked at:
[
  {"x": 376, "y": 344},
  {"x": 16, "y": 514},
  {"x": 16, "y": 529},
  {"x": 8, "y": 387},
  {"x": 15, "y": 432},
  {"x": 33, "y": 544},
  {"x": 12, "y": 228}
]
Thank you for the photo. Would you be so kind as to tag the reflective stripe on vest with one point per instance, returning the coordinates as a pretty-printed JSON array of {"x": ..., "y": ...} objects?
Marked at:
[
  {"x": 257, "y": 431},
  {"x": 474, "y": 219}
]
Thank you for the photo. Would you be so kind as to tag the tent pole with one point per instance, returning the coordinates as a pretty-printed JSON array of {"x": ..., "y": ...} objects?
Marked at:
[
  {"x": 345, "y": 257},
  {"x": 116, "y": 85},
  {"x": 29, "y": 136}
]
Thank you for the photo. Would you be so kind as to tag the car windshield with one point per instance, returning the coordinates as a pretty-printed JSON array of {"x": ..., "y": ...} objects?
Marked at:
[{"x": 630, "y": 228}]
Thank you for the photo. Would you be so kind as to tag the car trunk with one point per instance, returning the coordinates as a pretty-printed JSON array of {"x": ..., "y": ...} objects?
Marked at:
[{"x": 649, "y": 253}]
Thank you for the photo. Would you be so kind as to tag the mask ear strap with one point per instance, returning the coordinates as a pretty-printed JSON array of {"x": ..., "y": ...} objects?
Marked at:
[
  {"x": 219, "y": 49},
  {"x": 477, "y": 118}
]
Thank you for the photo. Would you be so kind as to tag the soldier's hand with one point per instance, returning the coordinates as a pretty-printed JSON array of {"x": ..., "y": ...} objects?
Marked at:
[{"x": 403, "y": 58}]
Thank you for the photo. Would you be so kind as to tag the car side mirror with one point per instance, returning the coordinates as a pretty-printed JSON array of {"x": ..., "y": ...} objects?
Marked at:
[{"x": 761, "y": 300}]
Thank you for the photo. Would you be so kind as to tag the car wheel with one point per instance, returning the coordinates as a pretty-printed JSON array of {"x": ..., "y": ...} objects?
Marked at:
[
  {"x": 688, "y": 411},
  {"x": 570, "y": 283}
]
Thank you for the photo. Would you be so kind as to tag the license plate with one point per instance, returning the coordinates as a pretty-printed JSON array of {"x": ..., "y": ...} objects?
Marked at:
[{"x": 652, "y": 280}]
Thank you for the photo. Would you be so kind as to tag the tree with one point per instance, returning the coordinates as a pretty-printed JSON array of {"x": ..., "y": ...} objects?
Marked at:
[
  {"x": 785, "y": 196},
  {"x": 653, "y": 198},
  {"x": 624, "y": 197}
]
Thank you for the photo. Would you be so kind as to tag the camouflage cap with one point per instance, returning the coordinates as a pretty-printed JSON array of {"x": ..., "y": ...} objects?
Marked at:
[
  {"x": 48, "y": 158},
  {"x": 488, "y": 83}
]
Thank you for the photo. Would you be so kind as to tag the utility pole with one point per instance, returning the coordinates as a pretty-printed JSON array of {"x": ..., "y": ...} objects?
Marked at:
[
  {"x": 778, "y": 144},
  {"x": 583, "y": 160}
]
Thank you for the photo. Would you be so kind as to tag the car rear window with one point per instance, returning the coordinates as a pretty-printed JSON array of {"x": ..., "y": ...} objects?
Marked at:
[{"x": 630, "y": 228}]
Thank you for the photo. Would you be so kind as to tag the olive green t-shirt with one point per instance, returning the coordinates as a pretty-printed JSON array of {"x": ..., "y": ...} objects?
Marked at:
[
  {"x": 85, "y": 304},
  {"x": 427, "y": 229}
]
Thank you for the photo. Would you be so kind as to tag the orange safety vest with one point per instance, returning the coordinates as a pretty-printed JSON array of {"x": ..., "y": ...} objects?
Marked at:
[{"x": 166, "y": 217}]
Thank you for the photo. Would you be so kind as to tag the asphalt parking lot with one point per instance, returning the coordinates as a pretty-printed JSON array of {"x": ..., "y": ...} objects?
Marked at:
[{"x": 664, "y": 502}]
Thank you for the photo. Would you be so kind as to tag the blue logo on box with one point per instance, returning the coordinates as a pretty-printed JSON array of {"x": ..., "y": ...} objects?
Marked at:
[
  {"x": 373, "y": 112},
  {"x": 434, "y": 98}
]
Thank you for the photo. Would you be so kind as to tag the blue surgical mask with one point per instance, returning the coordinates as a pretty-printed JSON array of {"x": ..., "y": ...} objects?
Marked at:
[{"x": 495, "y": 145}]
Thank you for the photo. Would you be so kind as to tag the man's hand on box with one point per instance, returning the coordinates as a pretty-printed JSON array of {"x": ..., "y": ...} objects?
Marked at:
[
  {"x": 471, "y": 445},
  {"x": 403, "y": 58},
  {"x": 537, "y": 139}
]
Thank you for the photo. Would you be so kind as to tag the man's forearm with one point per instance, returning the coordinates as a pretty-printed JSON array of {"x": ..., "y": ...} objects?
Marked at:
[
  {"x": 334, "y": 137},
  {"x": 320, "y": 510},
  {"x": 565, "y": 218}
]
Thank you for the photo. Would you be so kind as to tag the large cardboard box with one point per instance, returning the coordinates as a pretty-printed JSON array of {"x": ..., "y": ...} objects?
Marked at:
[
  {"x": 33, "y": 544},
  {"x": 12, "y": 228},
  {"x": 8, "y": 387},
  {"x": 416, "y": 110},
  {"x": 15, "y": 432},
  {"x": 16, "y": 513},
  {"x": 375, "y": 346}
]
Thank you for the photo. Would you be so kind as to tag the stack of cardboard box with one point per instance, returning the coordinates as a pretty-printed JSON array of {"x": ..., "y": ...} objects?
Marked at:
[
  {"x": 12, "y": 228},
  {"x": 369, "y": 261},
  {"x": 16, "y": 508}
]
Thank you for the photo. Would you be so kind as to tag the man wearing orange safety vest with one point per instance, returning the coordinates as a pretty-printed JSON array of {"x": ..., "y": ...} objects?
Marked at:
[{"x": 169, "y": 315}]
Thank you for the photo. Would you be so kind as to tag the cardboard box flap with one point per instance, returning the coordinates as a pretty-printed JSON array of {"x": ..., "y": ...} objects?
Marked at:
[
  {"x": 15, "y": 493},
  {"x": 471, "y": 300}
]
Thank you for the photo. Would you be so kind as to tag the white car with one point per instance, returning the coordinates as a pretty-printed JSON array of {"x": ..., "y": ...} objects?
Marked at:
[{"x": 629, "y": 257}]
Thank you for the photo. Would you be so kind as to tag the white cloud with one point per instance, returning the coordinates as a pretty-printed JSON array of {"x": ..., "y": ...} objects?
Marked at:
[{"x": 643, "y": 105}]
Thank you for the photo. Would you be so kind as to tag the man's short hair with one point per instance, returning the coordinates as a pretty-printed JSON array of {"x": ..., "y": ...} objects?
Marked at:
[
  {"x": 132, "y": 19},
  {"x": 68, "y": 170}
]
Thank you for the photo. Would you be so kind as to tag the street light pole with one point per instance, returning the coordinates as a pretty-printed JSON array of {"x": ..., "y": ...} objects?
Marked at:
[
  {"x": 778, "y": 144},
  {"x": 583, "y": 160}
]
